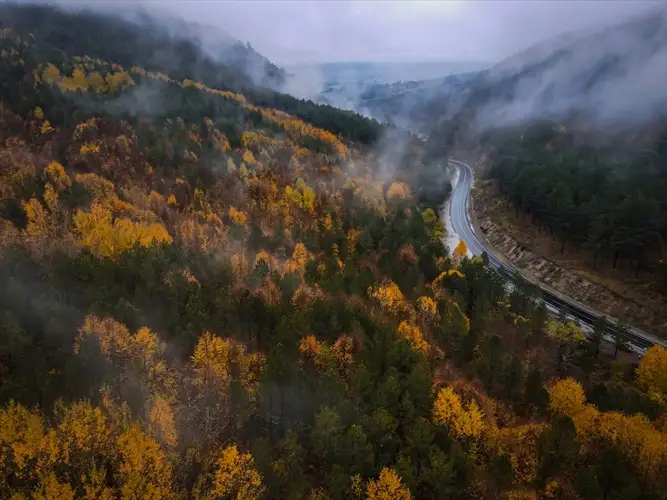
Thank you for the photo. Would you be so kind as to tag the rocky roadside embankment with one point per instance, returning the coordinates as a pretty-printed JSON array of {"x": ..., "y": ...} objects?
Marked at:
[{"x": 539, "y": 258}]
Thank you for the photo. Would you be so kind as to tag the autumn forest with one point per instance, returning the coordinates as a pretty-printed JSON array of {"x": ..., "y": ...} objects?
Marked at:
[{"x": 206, "y": 294}]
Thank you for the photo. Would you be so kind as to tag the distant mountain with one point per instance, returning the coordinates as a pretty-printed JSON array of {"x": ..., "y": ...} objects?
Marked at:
[
  {"x": 612, "y": 77},
  {"x": 350, "y": 85},
  {"x": 155, "y": 41},
  {"x": 184, "y": 51},
  {"x": 214, "y": 42}
]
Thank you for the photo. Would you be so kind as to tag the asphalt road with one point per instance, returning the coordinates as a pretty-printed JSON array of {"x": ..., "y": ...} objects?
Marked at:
[{"x": 640, "y": 341}]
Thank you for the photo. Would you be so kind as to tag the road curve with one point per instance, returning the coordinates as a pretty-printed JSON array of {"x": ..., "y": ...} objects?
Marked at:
[{"x": 462, "y": 226}]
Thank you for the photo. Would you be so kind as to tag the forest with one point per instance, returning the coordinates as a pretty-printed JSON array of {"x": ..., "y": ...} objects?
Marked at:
[
  {"x": 87, "y": 32},
  {"x": 609, "y": 201},
  {"x": 205, "y": 297}
]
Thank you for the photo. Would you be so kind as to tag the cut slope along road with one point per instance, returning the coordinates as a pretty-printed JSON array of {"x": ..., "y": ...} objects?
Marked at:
[{"x": 639, "y": 340}]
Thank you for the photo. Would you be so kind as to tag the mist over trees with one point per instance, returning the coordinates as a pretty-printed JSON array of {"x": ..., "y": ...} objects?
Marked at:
[
  {"x": 612, "y": 206},
  {"x": 204, "y": 297}
]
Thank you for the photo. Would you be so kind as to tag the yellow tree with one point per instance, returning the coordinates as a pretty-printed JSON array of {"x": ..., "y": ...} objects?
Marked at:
[
  {"x": 389, "y": 297},
  {"x": 83, "y": 432},
  {"x": 50, "y": 488},
  {"x": 145, "y": 471},
  {"x": 23, "y": 454},
  {"x": 387, "y": 486},
  {"x": 300, "y": 258},
  {"x": 161, "y": 421},
  {"x": 216, "y": 362},
  {"x": 236, "y": 477},
  {"x": 211, "y": 366},
  {"x": 414, "y": 336},
  {"x": 466, "y": 424},
  {"x": 566, "y": 396},
  {"x": 461, "y": 250},
  {"x": 652, "y": 373},
  {"x": 399, "y": 190}
]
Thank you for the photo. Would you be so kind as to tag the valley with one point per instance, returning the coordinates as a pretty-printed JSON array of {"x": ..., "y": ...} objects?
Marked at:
[{"x": 221, "y": 282}]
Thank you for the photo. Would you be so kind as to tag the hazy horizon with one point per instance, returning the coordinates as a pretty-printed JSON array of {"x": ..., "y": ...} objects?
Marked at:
[{"x": 297, "y": 32}]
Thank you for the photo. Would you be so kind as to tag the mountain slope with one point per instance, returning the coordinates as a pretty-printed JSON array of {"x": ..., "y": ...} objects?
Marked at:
[
  {"x": 613, "y": 77},
  {"x": 112, "y": 38},
  {"x": 215, "y": 43},
  {"x": 206, "y": 298}
]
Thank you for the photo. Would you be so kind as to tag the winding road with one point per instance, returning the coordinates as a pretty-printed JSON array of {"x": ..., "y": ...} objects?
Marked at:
[{"x": 639, "y": 340}]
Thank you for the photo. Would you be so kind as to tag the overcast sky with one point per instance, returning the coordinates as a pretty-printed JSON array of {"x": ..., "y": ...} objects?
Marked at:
[{"x": 288, "y": 31}]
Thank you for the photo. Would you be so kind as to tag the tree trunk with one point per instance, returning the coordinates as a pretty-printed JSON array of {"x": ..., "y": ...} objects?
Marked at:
[
  {"x": 562, "y": 245},
  {"x": 595, "y": 259},
  {"x": 615, "y": 259}
]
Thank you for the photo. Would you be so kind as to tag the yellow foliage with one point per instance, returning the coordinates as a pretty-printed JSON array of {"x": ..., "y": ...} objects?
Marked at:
[
  {"x": 50, "y": 489},
  {"x": 464, "y": 423},
  {"x": 301, "y": 197},
  {"x": 89, "y": 148},
  {"x": 652, "y": 373},
  {"x": 161, "y": 421},
  {"x": 107, "y": 238},
  {"x": 236, "y": 476},
  {"x": 46, "y": 127},
  {"x": 310, "y": 350},
  {"x": 387, "y": 486},
  {"x": 343, "y": 350},
  {"x": 237, "y": 216},
  {"x": 83, "y": 432},
  {"x": 100, "y": 188},
  {"x": 79, "y": 78},
  {"x": 566, "y": 396},
  {"x": 389, "y": 297},
  {"x": 50, "y": 74},
  {"x": 267, "y": 258},
  {"x": 461, "y": 250},
  {"x": 300, "y": 258},
  {"x": 55, "y": 173},
  {"x": 520, "y": 495},
  {"x": 96, "y": 82},
  {"x": 307, "y": 295},
  {"x": 239, "y": 265},
  {"x": 427, "y": 308},
  {"x": 399, "y": 190},
  {"x": 211, "y": 359},
  {"x": 414, "y": 336},
  {"x": 145, "y": 471},
  {"x": 521, "y": 446},
  {"x": 118, "y": 81},
  {"x": 249, "y": 158},
  {"x": 352, "y": 239},
  {"x": 22, "y": 435}
]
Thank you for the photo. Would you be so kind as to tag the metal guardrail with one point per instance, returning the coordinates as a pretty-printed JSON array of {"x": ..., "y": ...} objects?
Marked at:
[{"x": 639, "y": 339}]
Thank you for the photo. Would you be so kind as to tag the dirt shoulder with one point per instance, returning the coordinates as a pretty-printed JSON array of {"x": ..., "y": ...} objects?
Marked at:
[{"x": 615, "y": 292}]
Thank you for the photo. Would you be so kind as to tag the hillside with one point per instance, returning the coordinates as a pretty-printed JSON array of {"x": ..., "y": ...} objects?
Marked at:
[
  {"x": 109, "y": 37},
  {"x": 576, "y": 141},
  {"x": 608, "y": 77},
  {"x": 215, "y": 43},
  {"x": 208, "y": 298}
]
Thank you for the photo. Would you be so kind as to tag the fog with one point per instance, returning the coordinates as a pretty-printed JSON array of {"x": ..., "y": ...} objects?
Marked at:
[{"x": 615, "y": 76}]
